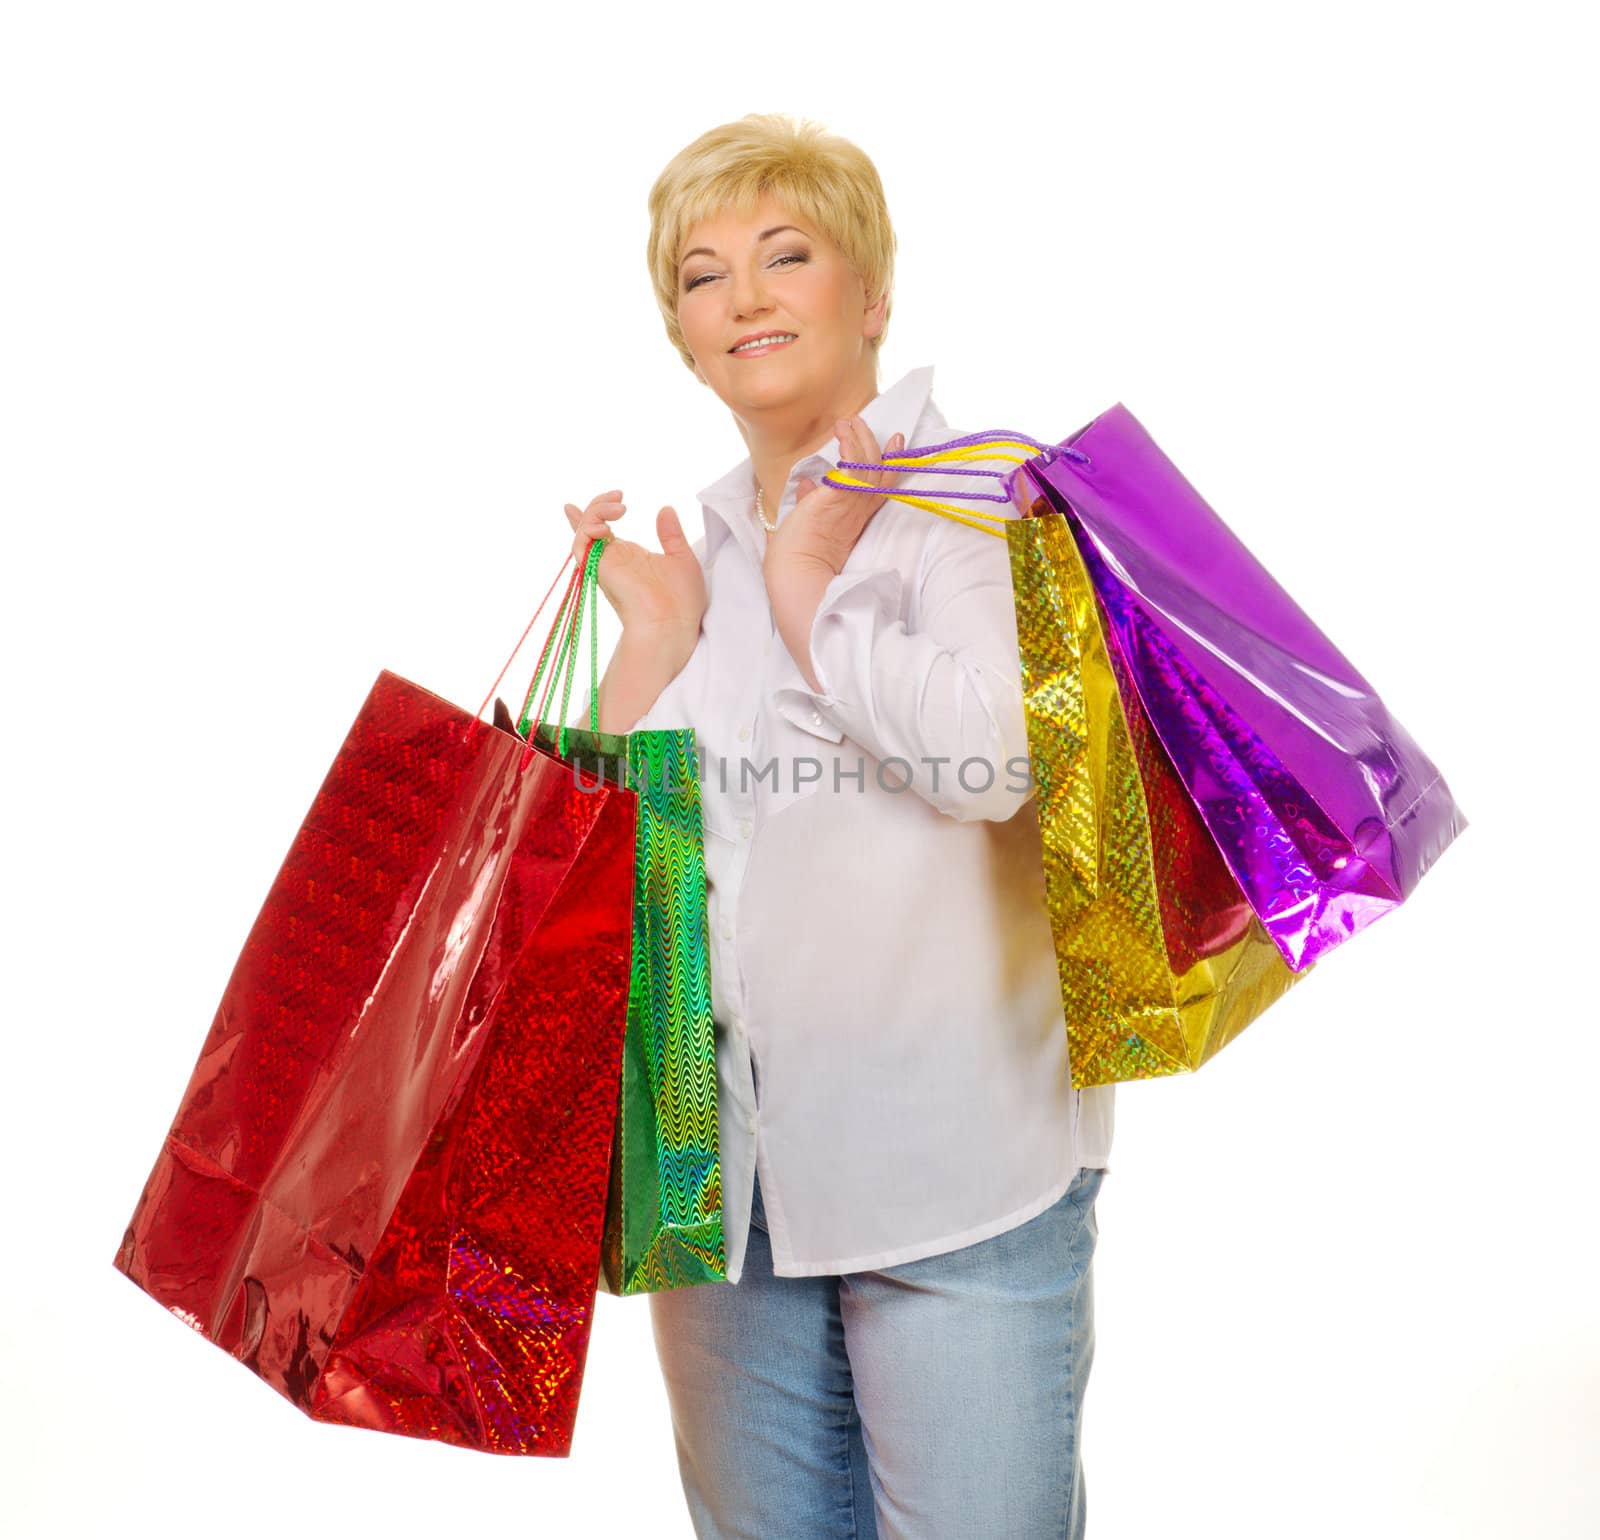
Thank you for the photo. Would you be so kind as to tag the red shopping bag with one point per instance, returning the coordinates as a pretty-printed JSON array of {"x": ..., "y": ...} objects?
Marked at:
[{"x": 385, "y": 1185}]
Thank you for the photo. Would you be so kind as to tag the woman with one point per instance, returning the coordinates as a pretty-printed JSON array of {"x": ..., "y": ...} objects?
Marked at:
[{"x": 909, "y": 1179}]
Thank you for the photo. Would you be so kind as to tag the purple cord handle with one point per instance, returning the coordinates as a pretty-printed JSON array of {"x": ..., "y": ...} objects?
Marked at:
[{"x": 1049, "y": 451}]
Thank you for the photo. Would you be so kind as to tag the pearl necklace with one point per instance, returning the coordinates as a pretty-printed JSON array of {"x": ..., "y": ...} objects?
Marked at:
[{"x": 761, "y": 513}]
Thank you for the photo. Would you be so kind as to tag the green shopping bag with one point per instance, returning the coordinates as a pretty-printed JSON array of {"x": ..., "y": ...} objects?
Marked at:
[{"x": 663, "y": 1225}]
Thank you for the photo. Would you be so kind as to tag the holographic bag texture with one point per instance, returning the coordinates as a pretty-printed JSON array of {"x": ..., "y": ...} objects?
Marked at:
[
  {"x": 1325, "y": 808},
  {"x": 1222, "y": 798},
  {"x": 1162, "y": 962},
  {"x": 384, "y": 1188},
  {"x": 663, "y": 1226},
  {"x": 389, "y": 1180}
]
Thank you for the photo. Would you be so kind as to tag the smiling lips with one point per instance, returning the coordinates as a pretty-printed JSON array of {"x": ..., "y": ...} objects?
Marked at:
[{"x": 762, "y": 349}]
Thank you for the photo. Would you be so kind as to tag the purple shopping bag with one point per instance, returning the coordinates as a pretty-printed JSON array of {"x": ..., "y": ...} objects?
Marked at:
[{"x": 1323, "y": 806}]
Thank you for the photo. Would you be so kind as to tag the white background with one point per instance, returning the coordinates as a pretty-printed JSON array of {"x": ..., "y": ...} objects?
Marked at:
[{"x": 313, "y": 317}]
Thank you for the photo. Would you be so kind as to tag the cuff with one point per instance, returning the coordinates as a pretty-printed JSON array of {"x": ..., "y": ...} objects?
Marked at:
[{"x": 853, "y": 607}]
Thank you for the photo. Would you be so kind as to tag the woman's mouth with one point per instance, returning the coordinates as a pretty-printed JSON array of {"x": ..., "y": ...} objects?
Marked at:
[{"x": 762, "y": 348}]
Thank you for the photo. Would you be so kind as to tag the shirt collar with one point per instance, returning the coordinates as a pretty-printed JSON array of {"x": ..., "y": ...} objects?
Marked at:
[{"x": 729, "y": 502}]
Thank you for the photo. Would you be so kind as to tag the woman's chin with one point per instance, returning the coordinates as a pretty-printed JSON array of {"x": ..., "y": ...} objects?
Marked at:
[{"x": 769, "y": 380}]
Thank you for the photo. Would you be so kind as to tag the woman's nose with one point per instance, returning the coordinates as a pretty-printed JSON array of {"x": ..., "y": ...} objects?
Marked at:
[{"x": 749, "y": 295}]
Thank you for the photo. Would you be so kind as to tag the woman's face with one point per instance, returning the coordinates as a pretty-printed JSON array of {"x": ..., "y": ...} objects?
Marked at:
[{"x": 740, "y": 276}]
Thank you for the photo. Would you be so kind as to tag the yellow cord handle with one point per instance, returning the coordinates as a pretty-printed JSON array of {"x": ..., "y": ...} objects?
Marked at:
[{"x": 992, "y": 523}]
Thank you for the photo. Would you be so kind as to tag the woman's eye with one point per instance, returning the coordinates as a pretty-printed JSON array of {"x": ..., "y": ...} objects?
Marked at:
[{"x": 788, "y": 256}]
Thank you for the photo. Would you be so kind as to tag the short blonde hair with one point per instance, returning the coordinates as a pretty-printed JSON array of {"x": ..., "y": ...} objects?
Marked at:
[{"x": 817, "y": 175}]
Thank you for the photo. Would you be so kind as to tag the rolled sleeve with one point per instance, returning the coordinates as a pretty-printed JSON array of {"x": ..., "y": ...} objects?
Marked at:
[
  {"x": 853, "y": 608},
  {"x": 945, "y": 698}
]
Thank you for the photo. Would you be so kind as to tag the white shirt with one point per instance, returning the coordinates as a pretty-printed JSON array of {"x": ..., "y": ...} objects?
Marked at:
[{"x": 891, "y": 1049}]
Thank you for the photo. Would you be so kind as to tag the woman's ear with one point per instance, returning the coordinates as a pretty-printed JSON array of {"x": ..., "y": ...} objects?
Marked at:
[{"x": 874, "y": 316}]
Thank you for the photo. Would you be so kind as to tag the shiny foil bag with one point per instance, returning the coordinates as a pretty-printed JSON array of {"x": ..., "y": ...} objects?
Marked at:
[
  {"x": 387, "y": 1182},
  {"x": 1222, "y": 798},
  {"x": 1162, "y": 961},
  {"x": 1324, "y": 807},
  {"x": 663, "y": 1224}
]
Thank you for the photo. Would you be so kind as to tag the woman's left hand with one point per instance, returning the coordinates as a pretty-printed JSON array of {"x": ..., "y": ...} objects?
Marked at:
[{"x": 822, "y": 528}]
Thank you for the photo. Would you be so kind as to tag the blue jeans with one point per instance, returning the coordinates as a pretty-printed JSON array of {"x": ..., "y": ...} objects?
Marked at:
[{"x": 938, "y": 1398}]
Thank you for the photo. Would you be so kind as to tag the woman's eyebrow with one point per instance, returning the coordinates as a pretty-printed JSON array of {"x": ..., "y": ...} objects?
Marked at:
[{"x": 765, "y": 235}]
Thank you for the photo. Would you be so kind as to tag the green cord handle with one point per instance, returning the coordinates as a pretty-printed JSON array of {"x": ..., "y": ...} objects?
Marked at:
[{"x": 566, "y": 636}]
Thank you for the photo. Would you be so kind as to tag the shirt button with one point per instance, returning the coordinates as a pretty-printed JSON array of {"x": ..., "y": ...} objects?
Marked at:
[
  {"x": 744, "y": 734},
  {"x": 727, "y": 930},
  {"x": 750, "y": 1122},
  {"x": 816, "y": 719},
  {"x": 745, "y": 826}
]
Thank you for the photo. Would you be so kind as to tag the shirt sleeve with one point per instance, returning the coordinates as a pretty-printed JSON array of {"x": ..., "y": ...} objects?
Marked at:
[
  {"x": 945, "y": 698},
  {"x": 668, "y": 710}
]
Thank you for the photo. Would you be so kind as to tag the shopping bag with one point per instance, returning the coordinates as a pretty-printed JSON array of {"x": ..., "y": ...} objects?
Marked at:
[
  {"x": 385, "y": 1186},
  {"x": 1166, "y": 946},
  {"x": 1324, "y": 807},
  {"x": 663, "y": 1225}
]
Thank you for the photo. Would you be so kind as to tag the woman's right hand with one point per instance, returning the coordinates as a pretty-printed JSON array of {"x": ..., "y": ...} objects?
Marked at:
[{"x": 658, "y": 592}]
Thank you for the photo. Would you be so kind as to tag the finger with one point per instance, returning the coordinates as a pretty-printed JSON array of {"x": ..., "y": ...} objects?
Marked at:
[
  {"x": 896, "y": 445},
  {"x": 869, "y": 454},
  {"x": 854, "y": 442},
  {"x": 669, "y": 531},
  {"x": 878, "y": 477},
  {"x": 889, "y": 477},
  {"x": 576, "y": 515},
  {"x": 868, "y": 450}
]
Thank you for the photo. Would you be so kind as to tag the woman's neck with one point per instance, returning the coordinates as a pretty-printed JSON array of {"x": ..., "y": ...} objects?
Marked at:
[{"x": 777, "y": 444}]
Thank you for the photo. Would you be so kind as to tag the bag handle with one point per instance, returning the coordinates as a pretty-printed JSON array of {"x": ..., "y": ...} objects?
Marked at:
[
  {"x": 942, "y": 459},
  {"x": 563, "y": 638},
  {"x": 945, "y": 459},
  {"x": 583, "y": 590}
]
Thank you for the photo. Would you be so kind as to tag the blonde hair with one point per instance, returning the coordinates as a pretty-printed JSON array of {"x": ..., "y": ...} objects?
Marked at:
[{"x": 817, "y": 175}]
